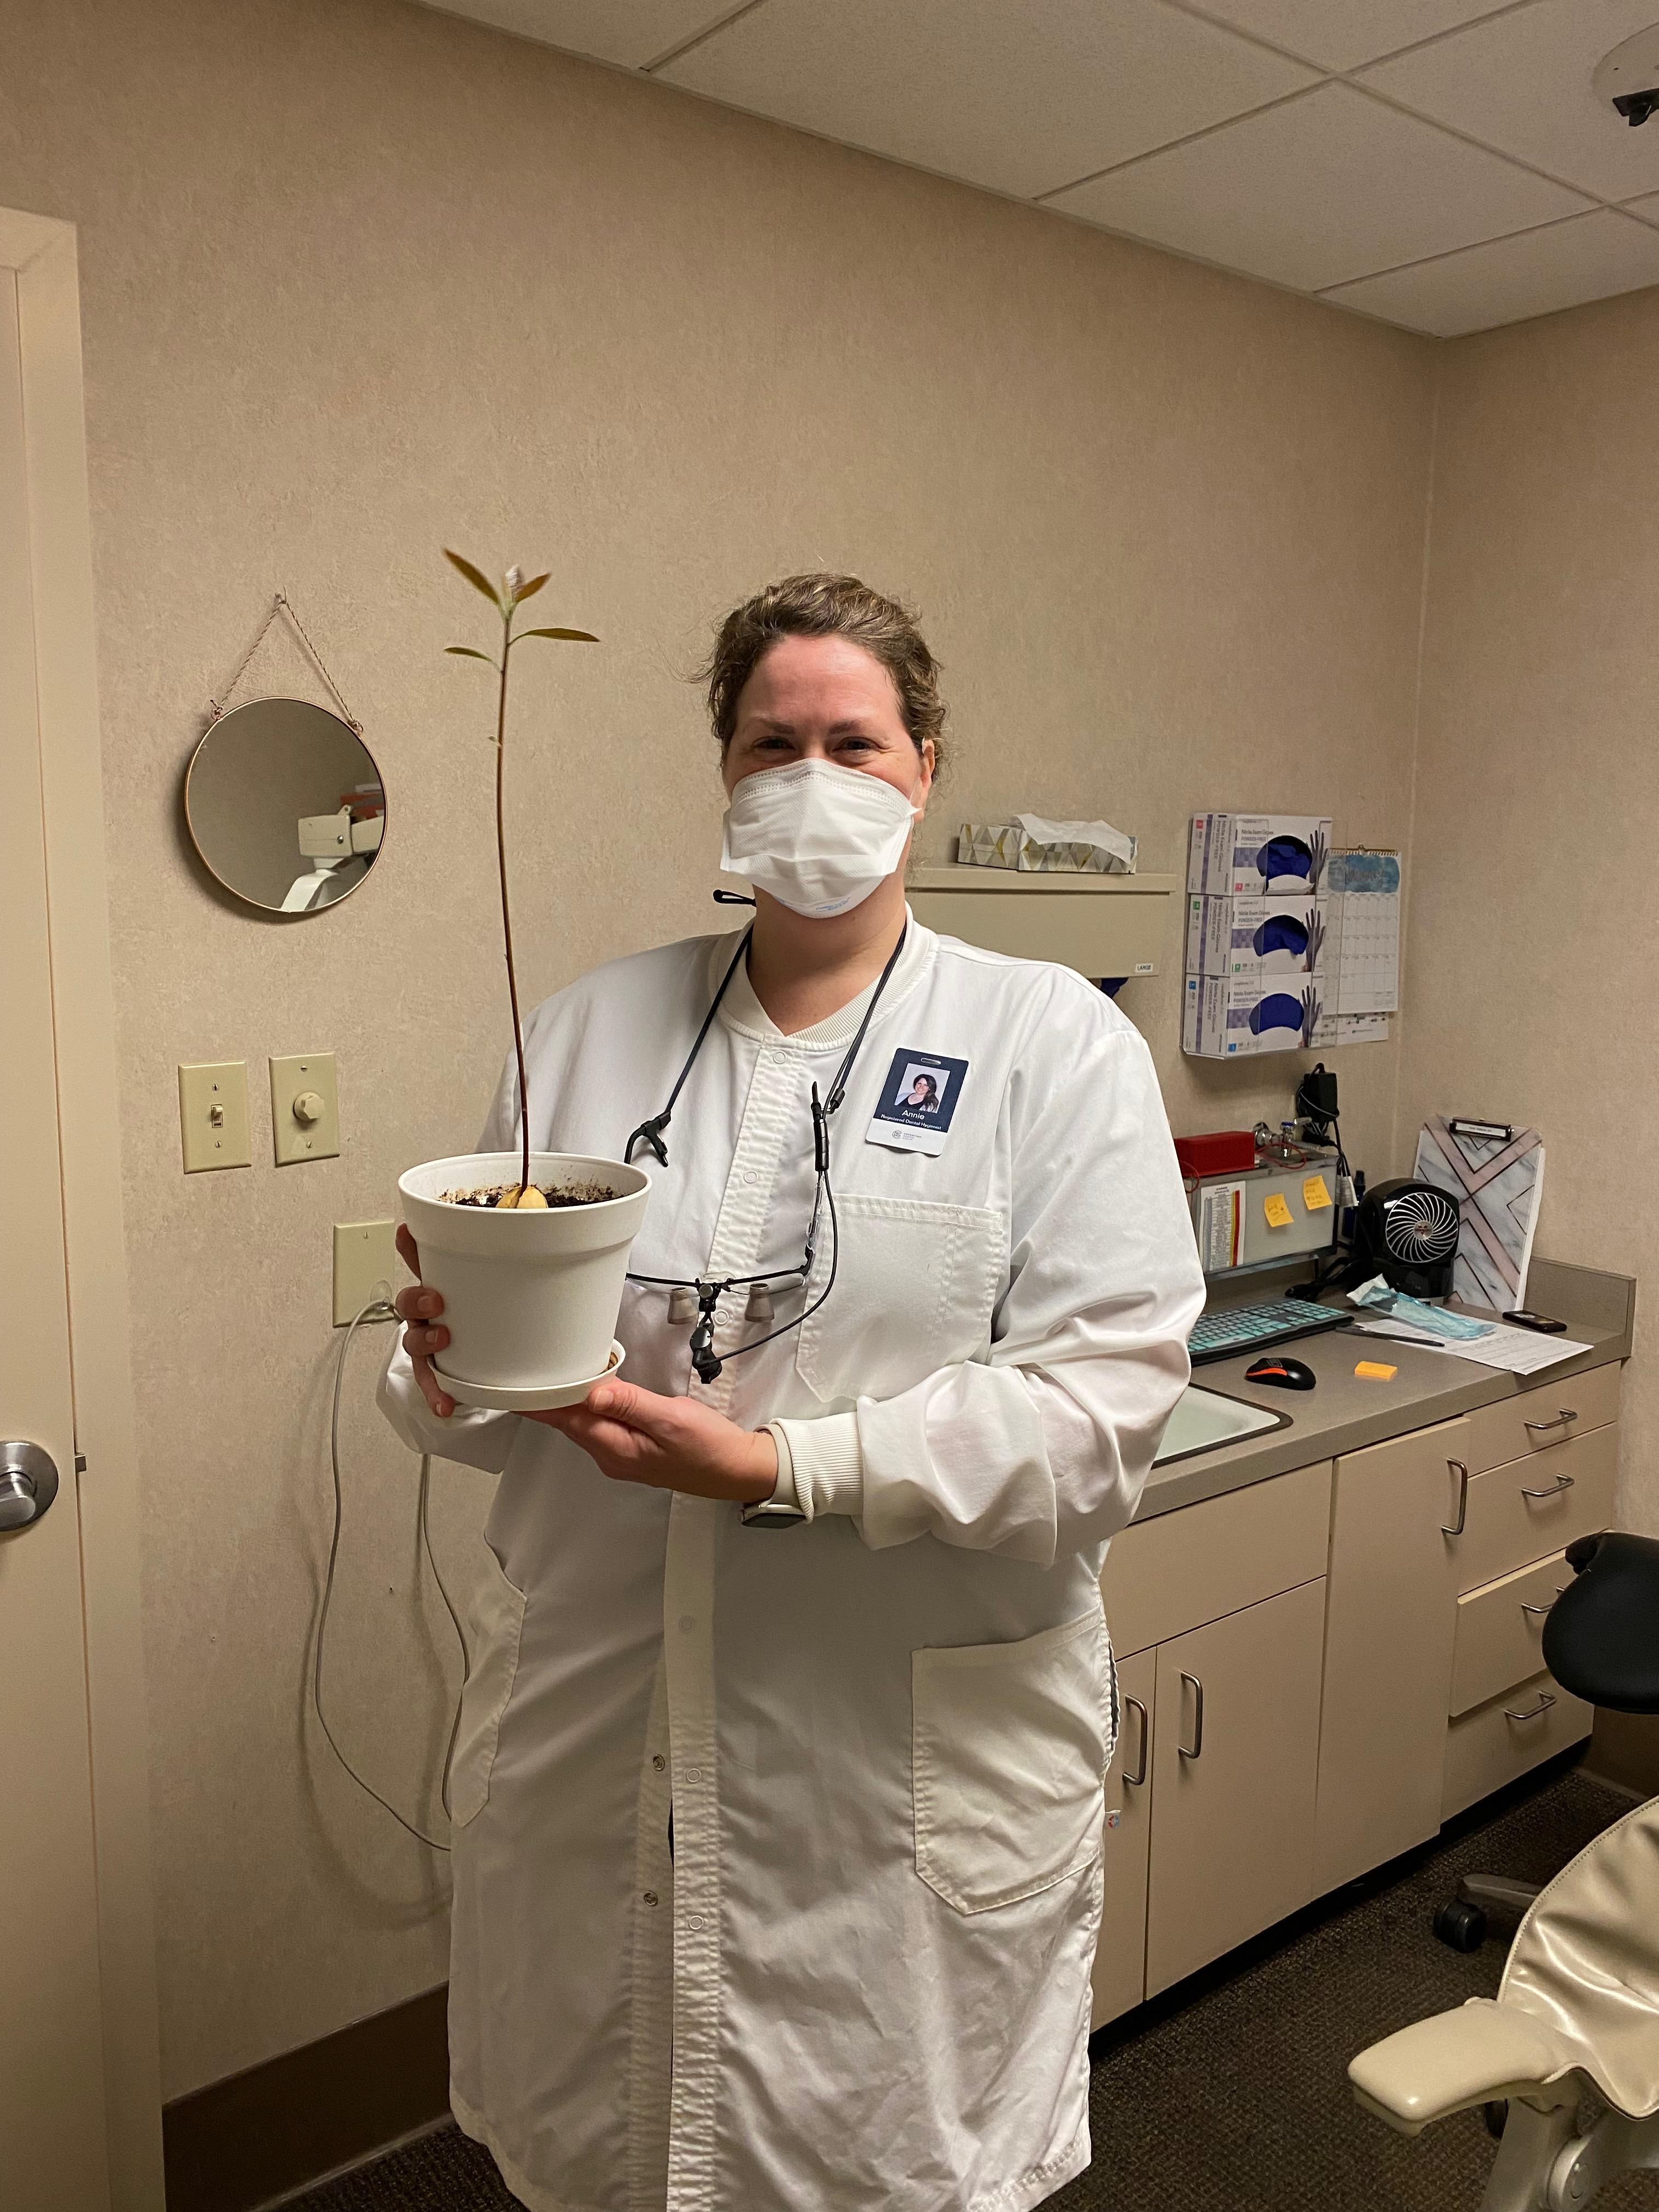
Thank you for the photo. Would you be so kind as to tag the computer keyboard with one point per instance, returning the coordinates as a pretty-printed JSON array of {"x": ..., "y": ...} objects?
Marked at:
[{"x": 1229, "y": 1330}]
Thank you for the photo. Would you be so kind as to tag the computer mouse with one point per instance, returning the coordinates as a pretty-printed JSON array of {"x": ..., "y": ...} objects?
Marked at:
[{"x": 1280, "y": 1373}]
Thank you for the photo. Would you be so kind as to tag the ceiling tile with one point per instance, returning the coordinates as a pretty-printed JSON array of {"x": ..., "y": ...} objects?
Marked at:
[
  {"x": 1522, "y": 83},
  {"x": 629, "y": 31},
  {"x": 1647, "y": 208},
  {"x": 1339, "y": 35},
  {"x": 1589, "y": 257},
  {"x": 1323, "y": 189},
  {"x": 1022, "y": 98}
]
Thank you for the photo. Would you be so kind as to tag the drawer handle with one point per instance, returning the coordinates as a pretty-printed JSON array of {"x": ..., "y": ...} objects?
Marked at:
[
  {"x": 1135, "y": 1780},
  {"x": 1561, "y": 1482},
  {"x": 1458, "y": 1468},
  {"x": 1198, "y": 1718},
  {"x": 1545, "y": 1701},
  {"x": 1542, "y": 1428},
  {"x": 1561, "y": 1590}
]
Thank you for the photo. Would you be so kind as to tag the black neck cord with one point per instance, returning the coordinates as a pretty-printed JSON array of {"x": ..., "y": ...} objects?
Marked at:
[
  {"x": 649, "y": 1132},
  {"x": 704, "y": 1359}
]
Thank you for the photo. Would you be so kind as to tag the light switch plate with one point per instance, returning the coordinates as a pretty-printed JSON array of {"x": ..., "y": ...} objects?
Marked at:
[
  {"x": 213, "y": 1115},
  {"x": 365, "y": 1265},
  {"x": 305, "y": 1108}
]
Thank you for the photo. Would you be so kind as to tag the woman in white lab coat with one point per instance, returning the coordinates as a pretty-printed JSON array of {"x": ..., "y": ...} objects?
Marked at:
[{"x": 831, "y": 1605}]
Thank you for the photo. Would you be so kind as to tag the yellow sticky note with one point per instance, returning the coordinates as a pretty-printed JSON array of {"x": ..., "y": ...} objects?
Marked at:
[
  {"x": 1376, "y": 1371},
  {"x": 1314, "y": 1194},
  {"x": 1278, "y": 1213}
]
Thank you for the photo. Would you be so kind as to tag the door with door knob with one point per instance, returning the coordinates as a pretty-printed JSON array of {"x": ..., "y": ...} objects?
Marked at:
[{"x": 53, "y": 2146}]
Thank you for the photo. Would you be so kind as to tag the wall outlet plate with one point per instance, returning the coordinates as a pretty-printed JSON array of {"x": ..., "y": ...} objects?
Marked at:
[
  {"x": 365, "y": 1265},
  {"x": 213, "y": 1115},
  {"x": 305, "y": 1108}
]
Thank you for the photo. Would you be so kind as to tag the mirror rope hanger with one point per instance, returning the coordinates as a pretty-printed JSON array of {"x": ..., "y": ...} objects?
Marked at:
[{"x": 282, "y": 605}]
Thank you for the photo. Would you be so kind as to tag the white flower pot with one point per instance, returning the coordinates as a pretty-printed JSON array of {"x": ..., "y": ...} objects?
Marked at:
[{"x": 530, "y": 1299}]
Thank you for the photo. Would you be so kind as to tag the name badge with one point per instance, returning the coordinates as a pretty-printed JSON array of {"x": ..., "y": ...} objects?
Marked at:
[{"x": 918, "y": 1101}]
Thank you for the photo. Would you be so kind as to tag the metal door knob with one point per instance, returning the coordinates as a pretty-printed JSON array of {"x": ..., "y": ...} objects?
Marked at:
[{"x": 29, "y": 1483}]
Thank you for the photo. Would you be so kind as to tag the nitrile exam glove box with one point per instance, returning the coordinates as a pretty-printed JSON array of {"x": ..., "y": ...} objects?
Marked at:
[
  {"x": 1285, "y": 935},
  {"x": 1248, "y": 855},
  {"x": 1225, "y": 1016}
]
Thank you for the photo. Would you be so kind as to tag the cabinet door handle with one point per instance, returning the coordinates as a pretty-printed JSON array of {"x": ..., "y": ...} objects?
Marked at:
[
  {"x": 1545, "y": 1701},
  {"x": 1525, "y": 1607},
  {"x": 1566, "y": 1415},
  {"x": 1135, "y": 1780},
  {"x": 1561, "y": 1482},
  {"x": 1458, "y": 1468},
  {"x": 1196, "y": 1749}
]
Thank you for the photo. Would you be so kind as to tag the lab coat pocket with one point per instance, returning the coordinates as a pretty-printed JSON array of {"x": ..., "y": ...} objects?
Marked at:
[
  {"x": 497, "y": 1627},
  {"x": 916, "y": 1286},
  {"x": 1010, "y": 1746}
]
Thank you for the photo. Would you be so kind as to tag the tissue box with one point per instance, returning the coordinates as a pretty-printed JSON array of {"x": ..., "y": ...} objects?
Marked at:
[
  {"x": 1225, "y": 1016},
  {"x": 1248, "y": 855},
  {"x": 988, "y": 844},
  {"x": 1005, "y": 845},
  {"x": 1287, "y": 935}
]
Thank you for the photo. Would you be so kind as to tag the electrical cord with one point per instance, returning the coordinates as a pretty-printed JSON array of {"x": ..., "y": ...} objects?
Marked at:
[{"x": 380, "y": 1309}]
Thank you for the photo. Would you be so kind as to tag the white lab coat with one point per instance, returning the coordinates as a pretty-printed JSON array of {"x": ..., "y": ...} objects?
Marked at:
[{"x": 862, "y": 1980}]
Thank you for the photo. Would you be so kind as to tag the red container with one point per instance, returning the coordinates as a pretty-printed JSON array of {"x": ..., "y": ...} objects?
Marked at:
[{"x": 1226, "y": 1151}]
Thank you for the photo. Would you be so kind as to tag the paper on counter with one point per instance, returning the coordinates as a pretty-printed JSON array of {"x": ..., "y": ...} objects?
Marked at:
[{"x": 1520, "y": 1351}]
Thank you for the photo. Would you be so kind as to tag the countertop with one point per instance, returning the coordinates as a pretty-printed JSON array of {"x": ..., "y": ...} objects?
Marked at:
[{"x": 1344, "y": 1411}]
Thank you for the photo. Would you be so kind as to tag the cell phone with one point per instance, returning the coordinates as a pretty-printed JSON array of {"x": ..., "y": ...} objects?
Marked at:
[{"x": 1542, "y": 1322}]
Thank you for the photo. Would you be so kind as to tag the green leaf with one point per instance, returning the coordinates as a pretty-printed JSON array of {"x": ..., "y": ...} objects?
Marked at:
[
  {"x": 476, "y": 577},
  {"x": 471, "y": 653},
  {"x": 583, "y": 637},
  {"x": 534, "y": 585}
]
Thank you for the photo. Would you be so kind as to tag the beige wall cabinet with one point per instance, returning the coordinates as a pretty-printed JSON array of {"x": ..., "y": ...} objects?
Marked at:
[
  {"x": 1212, "y": 1836},
  {"x": 1235, "y": 1761},
  {"x": 1446, "y": 1554},
  {"x": 1389, "y": 1629},
  {"x": 1323, "y": 1666},
  {"x": 1120, "y": 1977}
]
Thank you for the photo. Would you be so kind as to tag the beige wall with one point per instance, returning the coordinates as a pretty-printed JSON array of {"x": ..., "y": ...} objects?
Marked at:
[
  {"x": 1531, "y": 986},
  {"x": 361, "y": 281}
]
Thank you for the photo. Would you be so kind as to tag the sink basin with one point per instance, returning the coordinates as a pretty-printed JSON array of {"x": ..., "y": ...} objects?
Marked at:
[{"x": 1204, "y": 1419}]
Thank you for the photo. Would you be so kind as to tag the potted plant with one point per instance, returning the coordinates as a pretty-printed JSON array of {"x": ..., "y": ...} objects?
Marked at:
[{"x": 528, "y": 1250}]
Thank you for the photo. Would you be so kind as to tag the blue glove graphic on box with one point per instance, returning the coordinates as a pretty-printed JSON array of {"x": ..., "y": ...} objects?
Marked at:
[
  {"x": 1284, "y": 862},
  {"x": 1281, "y": 932},
  {"x": 1278, "y": 1011}
]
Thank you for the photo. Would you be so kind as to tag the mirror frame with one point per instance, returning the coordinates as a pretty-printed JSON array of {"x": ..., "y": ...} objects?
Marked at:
[{"x": 258, "y": 906}]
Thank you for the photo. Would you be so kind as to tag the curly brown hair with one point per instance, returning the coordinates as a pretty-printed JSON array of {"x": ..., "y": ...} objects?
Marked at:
[{"x": 822, "y": 606}]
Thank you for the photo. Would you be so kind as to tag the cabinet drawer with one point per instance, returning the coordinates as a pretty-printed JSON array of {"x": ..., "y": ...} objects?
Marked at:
[
  {"x": 1489, "y": 1747},
  {"x": 1535, "y": 1421},
  {"x": 1500, "y": 1630},
  {"x": 1522, "y": 1512},
  {"x": 1179, "y": 1569}
]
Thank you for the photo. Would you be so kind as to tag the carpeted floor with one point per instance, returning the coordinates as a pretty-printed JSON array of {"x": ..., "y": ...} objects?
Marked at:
[{"x": 1230, "y": 2096}]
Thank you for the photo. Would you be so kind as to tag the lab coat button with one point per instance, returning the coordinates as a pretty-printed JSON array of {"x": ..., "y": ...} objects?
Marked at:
[
  {"x": 687, "y": 1623},
  {"x": 694, "y": 1774},
  {"x": 695, "y": 1921},
  {"x": 658, "y": 1761},
  {"x": 650, "y": 1896}
]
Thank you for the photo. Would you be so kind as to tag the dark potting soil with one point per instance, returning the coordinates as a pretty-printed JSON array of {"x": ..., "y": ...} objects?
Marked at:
[{"x": 575, "y": 1193}]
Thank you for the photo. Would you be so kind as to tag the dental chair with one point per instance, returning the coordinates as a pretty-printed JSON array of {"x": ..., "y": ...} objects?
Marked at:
[{"x": 1579, "y": 2006}]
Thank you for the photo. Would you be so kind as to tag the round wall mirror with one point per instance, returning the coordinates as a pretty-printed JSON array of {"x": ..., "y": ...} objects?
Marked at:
[{"x": 285, "y": 805}]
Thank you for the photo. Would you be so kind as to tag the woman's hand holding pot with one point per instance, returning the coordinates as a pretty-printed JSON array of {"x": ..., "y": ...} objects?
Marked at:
[
  {"x": 670, "y": 1444},
  {"x": 426, "y": 1333}
]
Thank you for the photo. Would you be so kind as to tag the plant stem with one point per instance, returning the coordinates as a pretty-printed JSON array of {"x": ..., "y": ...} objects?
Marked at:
[{"x": 507, "y": 918}]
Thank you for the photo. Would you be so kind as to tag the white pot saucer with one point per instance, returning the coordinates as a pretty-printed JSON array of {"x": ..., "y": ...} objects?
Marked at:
[{"x": 528, "y": 1397}]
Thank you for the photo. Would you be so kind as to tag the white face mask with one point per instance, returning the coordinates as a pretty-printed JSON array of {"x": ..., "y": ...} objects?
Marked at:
[{"x": 819, "y": 838}]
